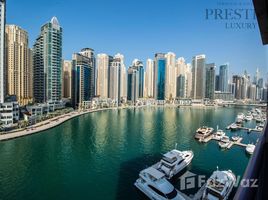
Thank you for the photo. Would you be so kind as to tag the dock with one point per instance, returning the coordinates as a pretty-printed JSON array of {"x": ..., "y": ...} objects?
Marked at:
[
  {"x": 245, "y": 128},
  {"x": 232, "y": 143}
]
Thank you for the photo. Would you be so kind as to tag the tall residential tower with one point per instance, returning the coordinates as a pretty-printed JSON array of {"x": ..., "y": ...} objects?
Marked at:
[
  {"x": 19, "y": 66},
  {"x": 47, "y": 63}
]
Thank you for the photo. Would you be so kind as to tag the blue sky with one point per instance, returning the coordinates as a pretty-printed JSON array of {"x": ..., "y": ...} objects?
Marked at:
[{"x": 140, "y": 28}]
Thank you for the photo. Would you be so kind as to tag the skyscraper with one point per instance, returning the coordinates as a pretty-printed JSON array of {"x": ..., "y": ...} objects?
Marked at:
[
  {"x": 198, "y": 76},
  {"x": 238, "y": 82},
  {"x": 123, "y": 81},
  {"x": 181, "y": 86},
  {"x": 19, "y": 67},
  {"x": 170, "y": 79},
  {"x": 138, "y": 65},
  {"x": 103, "y": 64},
  {"x": 47, "y": 63},
  {"x": 149, "y": 78},
  {"x": 133, "y": 84},
  {"x": 159, "y": 76},
  {"x": 114, "y": 82},
  {"x": 184, "y": 70},
  {"x": 88, "y": 52},
  {"x": 217, "y": 83},
  {"x": 223, "y": 78},
  {"x": 81, "y": 79},
  {"x": 67, "y": 79},
  {"x": 210, "y": 80},
  {"x": 2, "y": 50}
]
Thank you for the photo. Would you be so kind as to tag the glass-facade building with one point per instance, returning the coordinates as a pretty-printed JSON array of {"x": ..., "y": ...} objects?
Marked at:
[
  {"x": 47, "y": 63},
  {"x": 223, "y": 78},
  {"x": 133, "y": 84},
  {"x": 210, "y": 80},
  {"x": 159, "y": 76},
  {"x": 181, "y": 86},
  {"x": 81, "y": 79}
]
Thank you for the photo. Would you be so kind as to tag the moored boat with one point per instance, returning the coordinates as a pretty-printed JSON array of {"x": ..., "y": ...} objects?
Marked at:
[
  {"x": 155, "y": 186},
  {"x": 250, "y": 148},
  {"x": 203, "y": 132},
  {"x": 219, "y": 185},
  {"x": 174, "y": 162}
]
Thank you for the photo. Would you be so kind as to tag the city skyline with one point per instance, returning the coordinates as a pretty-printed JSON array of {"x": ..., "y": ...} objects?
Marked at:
[{"x": 150, "y": 39}]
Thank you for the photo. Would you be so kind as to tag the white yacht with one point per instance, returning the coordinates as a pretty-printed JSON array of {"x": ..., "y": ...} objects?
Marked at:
[
  {"x": 155, "y": 186},
  {"x": 249, "y": 117},
  {"x": 250, "y": 148},
  {"x": 240, "y": 116},
  {"x": 233, "y": 127},
  {"x": 236, "y": 138},
  {"x": 219, "y": 134},
  {"x": 219, "y": 185},
  {"x": 224, "y": 142},
  {"x": 174, "y": 162},
  {"x": 203, "y": 132}
]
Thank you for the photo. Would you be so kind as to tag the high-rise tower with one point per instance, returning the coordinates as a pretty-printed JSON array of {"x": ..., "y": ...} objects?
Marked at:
[{"x": 47, "y": 63}]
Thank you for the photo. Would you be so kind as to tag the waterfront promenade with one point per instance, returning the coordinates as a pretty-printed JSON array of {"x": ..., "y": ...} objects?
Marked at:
[{"x": 48, "y": 124}]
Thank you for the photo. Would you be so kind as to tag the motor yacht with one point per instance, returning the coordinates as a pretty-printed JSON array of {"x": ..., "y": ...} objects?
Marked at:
[
  {"x": 250, "y": 148},
  {"x": 234, "y": 127},
  {"x": 235, "y": 138},
  {"x": 174, "y": 162},
  {"x": 240, "y": 116},
  {"x": 154, "y": 185},
  {"x": 219, "y": 134},
  {"x": 249, "y": 117},
  {"x": 219, "y": 185},
  {"x": 203, "y": 132},
  {"x": 224, "y": 142}
]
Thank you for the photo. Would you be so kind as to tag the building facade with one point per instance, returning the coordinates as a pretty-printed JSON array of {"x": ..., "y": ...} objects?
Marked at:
[
  {"x": 88, "y": 52},
  {"x": 103, "y": 65},
  {"x": 133, "y": 84},
  {"x": 149, "y": 86},
  {"x": 81, "y": 79},
  {"x": 67, "y": 79},
  {"x": 47, "y": 63},
  {"x": 210, "y": 80},
  {"x": 159, "y": 76},
  {"x": 114, "y": 82},
  {"x": 198, "y": 77},
  {"x": 19, "y": 68},
  {"x": 170, "y": 79},
  {"x": 223, "y": 78},
  {"x": 181, "y": 86}
]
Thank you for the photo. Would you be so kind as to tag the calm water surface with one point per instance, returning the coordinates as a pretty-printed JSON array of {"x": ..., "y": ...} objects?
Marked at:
[{"x": 98, "y": 156}]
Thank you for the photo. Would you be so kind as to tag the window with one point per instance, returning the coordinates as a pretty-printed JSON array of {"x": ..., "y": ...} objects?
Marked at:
[
  {"x": 172, "y": 194},
  {"x": 157, "y": 191}
]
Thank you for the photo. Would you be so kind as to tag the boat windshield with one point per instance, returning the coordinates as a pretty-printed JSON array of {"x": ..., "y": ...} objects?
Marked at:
[
  {"x": 216, "y": 185},
  {"x": 172, "y": 194}
]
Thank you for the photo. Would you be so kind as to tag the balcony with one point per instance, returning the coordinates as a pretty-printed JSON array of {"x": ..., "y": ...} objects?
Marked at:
[{"x": 257, "y": 169}]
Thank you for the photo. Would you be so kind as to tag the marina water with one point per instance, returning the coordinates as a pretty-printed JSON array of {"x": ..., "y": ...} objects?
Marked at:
[{"x": 99, "y": 156}]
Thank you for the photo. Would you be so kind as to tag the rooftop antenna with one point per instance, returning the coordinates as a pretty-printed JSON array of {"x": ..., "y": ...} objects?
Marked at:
[{"x": 176, "y": 144}]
